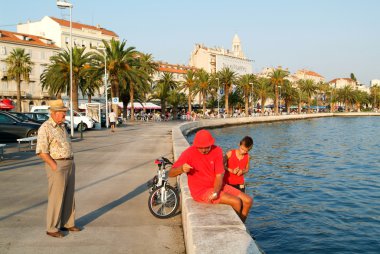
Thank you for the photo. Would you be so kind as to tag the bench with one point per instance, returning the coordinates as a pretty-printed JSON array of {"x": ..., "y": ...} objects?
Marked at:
[
  {"x": 2, "y": 151},
  {"x": 30, "y": 142}
]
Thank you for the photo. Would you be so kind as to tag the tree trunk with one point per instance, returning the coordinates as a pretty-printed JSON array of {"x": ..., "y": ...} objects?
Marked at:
[
  {"x": 189, "y": 101},
  {"x": 276, "y": 99},
  {"x": 299, "y": 107},
  {"x": 75, "y": 96},
  {"x": 89, "y": 98},
  {"x": 131, "y": 92},
  {"x": 226, "y": 93},
  {"x": 18, "y": 105},
  {"x": 204, "y": 103},
  {"x": 308, "y": 104},
  {"x": 262, "y": 105},
  {"x": 246, "y": 104}
]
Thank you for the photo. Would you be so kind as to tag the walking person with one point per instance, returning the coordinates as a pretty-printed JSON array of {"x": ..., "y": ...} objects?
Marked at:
[
  {"x": 237, "y": 164},
  {"x": 112, "y": 116},
  {"x": 203, "y": 163},
  {"x": 54, "y": 148}
]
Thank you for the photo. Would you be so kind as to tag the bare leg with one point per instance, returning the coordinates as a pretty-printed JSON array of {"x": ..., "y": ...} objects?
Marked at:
[
  {"x": 247, "y": 203},
  {"x": 233, "y": 201}
]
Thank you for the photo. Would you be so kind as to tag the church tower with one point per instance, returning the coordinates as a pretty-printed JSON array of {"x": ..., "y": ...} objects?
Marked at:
[{"x": 236, "y": 47}]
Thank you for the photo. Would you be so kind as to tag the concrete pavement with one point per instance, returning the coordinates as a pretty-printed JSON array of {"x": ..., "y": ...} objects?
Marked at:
[{"x": 111, "y": 196}]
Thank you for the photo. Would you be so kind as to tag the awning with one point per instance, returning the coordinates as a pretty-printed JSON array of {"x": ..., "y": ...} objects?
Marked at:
[{"x": 148, "y": 105}]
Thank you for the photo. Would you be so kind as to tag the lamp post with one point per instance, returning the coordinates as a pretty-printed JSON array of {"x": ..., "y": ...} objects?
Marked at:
[
  {"x": 279, "y": 87},
  {"x": 218, "y": 98},
  {"x": 64, "y": 5},
  {"x": 105, "y": 83},
  {"x": 252, "y": 96}
]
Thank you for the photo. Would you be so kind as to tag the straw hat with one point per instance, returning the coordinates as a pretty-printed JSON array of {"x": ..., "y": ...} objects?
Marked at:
[{"x": 57, "y": 105}]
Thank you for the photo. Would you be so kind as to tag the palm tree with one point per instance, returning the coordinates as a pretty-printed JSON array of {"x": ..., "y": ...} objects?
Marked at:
[
  {"x": 262, "y": 90},
  {"x": 162, "y": 89},
  {"x": 19, "y": 66},
  {"x": 56, "y": 77},
  {"x": 203, "y": 86},
  {"x": 309, "y": 87},
  {"x": 345, "y": 95},
  {"x": 375, "y": 95},
  {"x": 277, "y": 78},
  {"x": 189, "y": 84},
  {"x": 245, "y": 83},
  {"x": 359, "y": 98},
  {"x": 289, "y": 94},
  {"x": 176, "y": 98},
  {"x": 227, "y": 77},
  {"x": 120, "y": 66}
]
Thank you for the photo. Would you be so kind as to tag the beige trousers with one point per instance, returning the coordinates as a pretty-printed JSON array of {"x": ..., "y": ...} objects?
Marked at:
[{"x": 61, "y": 203}]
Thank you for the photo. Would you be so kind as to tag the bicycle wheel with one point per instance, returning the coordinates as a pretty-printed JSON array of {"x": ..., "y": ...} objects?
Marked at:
[{"x": 163, "y": 204}]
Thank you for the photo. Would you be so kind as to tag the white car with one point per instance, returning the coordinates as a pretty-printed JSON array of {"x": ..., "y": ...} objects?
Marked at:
[{"x": 81, "y": 122}]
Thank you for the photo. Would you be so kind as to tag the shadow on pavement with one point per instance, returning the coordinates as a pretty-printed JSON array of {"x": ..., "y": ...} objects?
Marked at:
[{"x": 88, "y": 218}]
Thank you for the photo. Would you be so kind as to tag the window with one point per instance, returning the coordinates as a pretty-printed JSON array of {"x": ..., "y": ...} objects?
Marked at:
[
  {"x": 67, "y": 40},
  {"x": 5, "y": 119},
  {"x": 3, "y": 50},
  {"x": 42, "y": 55}
]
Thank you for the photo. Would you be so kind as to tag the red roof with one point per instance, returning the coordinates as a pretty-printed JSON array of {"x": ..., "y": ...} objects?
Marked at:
[
  {"x": 311, "y": 73},
  {"x": 26, "y": 39},
  {"x": 77, "y": 25},
  {"x": 174, "y": 68},
  {"x": 347, "y": 79}
]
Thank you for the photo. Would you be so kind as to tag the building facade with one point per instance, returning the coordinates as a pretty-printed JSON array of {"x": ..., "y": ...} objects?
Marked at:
[
  {"x": 342, "y": 82},
  {"x": 41, "y": 40},
  {"x": 58, "y": 30},
  {"x": 40, "y": 50},
  {"x": 214, "y": 59}
]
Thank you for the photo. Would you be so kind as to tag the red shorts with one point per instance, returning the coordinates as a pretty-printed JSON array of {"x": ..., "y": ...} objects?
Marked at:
[{"x": 204, "y": 197}]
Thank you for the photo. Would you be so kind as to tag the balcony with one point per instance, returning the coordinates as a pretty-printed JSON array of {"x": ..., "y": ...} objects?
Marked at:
[{"x": 12, "y": 93}]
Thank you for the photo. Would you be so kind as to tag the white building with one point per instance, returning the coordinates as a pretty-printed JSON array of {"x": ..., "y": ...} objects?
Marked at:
[
  {"x": 342, "y": 82},
  {"x": 40, "y": 50},
  {"x": 375, "y": 82},
  {"x": 214, "y": 59},
  {"x": 58, "y": 30}
]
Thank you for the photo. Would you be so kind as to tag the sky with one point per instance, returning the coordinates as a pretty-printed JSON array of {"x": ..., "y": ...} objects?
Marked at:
[{"x": 331, "y": 37}]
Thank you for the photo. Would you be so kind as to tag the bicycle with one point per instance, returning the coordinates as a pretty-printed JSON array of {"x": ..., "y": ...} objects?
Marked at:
[{"x": 163, "y": 200}]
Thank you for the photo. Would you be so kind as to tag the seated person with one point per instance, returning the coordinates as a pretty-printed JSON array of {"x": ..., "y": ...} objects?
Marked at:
[{"x": 203, "y": 163}]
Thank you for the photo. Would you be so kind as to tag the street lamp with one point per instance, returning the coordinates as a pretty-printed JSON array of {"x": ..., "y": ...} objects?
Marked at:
[
  {"x": 218, "y": 98},
  {"x": 64, "y": 5},
  {"x": 279, "y": 87},
  {"x": 105, "y": 83},
  {"x": 252, "y": 96}
]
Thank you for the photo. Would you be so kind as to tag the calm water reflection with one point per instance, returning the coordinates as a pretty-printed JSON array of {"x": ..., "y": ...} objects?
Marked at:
[{"x": 316, "y": 184}]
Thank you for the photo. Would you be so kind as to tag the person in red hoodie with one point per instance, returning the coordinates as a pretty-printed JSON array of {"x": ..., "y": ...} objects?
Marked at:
[
  {"x": 204, "y": 166},
  {"x": 237, "y": 164}
]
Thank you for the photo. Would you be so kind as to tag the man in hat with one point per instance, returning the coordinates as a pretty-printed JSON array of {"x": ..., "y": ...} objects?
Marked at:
[
  {"x": 54, "y": 148},
  {"x": 203, "y": 163}
]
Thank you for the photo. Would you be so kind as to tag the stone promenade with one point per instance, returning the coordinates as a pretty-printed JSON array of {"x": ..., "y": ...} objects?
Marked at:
[{"x": 111, "y": 196}]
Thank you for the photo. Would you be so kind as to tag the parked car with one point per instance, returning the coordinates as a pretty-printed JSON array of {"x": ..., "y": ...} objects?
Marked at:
[
  {"x": 22, "y": 116},
  {"x": 81, "y": 122},
  {"x": 12, "y": 128},
  {"x": 37, "y": 117}
]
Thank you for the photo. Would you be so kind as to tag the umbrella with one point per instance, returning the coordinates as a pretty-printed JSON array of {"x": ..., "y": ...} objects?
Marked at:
[{"x": 147, "y": 105}]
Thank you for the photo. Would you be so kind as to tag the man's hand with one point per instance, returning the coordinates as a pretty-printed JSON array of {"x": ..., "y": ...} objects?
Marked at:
[{"x": 186, "y": 168}]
